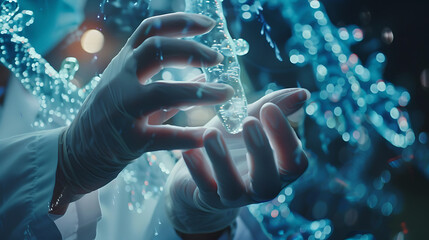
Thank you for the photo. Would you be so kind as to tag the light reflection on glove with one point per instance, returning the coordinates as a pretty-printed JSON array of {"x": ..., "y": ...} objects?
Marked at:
[
  {"x": 246, "y": 168},
  {"x": 114, "y": 125}
]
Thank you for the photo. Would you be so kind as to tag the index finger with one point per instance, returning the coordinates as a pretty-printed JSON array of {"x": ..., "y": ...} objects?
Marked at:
[
  {"x": 289, "y": 100},
  {"x": 171, "y": 25},
  {"x": 292, "y": 160},
  {"x": 167, "y": 95}
]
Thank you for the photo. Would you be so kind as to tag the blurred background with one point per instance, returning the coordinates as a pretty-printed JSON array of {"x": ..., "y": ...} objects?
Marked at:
[{"x": 364, "y": 190}]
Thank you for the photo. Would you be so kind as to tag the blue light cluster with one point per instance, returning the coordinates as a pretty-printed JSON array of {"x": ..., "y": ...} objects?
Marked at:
[
  {"x": 124, "y": 15},
  {"x": 352, "y": 102},
  {"x": 59, "y": 97},
  {"x": 351, "y": 98}
]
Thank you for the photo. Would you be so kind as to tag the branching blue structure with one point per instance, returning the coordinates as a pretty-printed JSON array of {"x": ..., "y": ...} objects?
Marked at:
[
  {"x": 59, "y": 97},
  {"x": 352, "y": 100}
]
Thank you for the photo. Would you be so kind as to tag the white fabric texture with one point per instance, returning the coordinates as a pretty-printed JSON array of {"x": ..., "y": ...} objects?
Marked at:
[
  {"x": 20, "y": 109},
  {"x": 119, "y": 222},
  {"x": 27, "y": 179},
  {"x": 16, "y": 115}
]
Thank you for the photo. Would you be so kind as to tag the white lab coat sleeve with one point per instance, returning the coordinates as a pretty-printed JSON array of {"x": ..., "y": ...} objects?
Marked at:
[
  {"x": 81, "y": 218},
  {"x": 160, "y": 228},
  {"x": 28, "y": 165}
]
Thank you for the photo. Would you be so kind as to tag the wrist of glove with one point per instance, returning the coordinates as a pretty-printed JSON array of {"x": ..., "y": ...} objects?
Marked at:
[
  {"x": 89, "y": 164},
  {"x": 186, "y": 210},
  {"x": 226, "y": 233}
]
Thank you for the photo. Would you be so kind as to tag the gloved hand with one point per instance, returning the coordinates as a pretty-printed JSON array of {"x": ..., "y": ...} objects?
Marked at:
[
  {"x": 205, "y": 190},
  {"x": 121, "y": 118}
]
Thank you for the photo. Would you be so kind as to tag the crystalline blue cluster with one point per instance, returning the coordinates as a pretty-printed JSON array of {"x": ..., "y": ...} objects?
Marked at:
[
  {"x": 352, "y": 98},
  {"x": 59, "y": 97},
  {"x": 352, "y": 102}
]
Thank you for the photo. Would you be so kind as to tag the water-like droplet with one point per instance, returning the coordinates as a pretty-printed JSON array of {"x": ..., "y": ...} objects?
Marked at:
[{"x": 241, "y": 46}]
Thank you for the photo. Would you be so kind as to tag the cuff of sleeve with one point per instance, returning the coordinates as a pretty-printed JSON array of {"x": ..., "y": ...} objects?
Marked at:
[{"x": 46, "y": 160}]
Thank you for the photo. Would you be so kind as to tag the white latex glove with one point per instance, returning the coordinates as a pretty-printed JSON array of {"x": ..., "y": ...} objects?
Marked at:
[
  {"x": 121, "y": 118},
  {"x": 246, "y": 168}
]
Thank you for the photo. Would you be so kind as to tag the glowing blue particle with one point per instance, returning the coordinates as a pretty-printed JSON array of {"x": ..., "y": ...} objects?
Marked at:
[
  {"x": 385, "y": 176},
  {"x": 281, "y": 198},
  {"x": 373, "y": 88},
  {"x": 327, "y": 230},
  {"x": 301, "y": 58},
  {"x": 344, "y": 34},
  {"x": 390, "y": 89},
  {"x": 359, "y": 69},
  {"x": 322, "y": 70},
  {"x": 293, "y": 59},
  {"x": 318, "y": 234},
  {"x": 246, "y": 15},
  {"x": 403, "y": 124},
  {"x": 423, "y": 138},
  {"x": 330, "y": 88},
  {"x": 361, "y": 102},
  {"x": 387, "y": 209},
  {"x": 323, "y": 95},
  {"x": 245, "y": 7},
  {"x": 311, "y": 109},
  {"x": 338, "y": 111},
  {"x": 306, "y": 34},
  {"x": 372, "y": 201},
  {"x": 336, "y": 48},
  {"x": 381, "y": 86},
  {"x": 297, "y": 27},
  {"x": 380, "y": 57},
  {"x": 314, "y": 225},
  {"x": 410, "y": 137},
  {"x": 288, "y": 191},
  {"x": 342, "y": 58},
  {"x": 394, "y": 113},
  {"x": 319, "y": 15},
  {"x": 328, "y": 38},
  {"x": 404, "y": 99},
  {"x": 357, "y": 34},
  {"x": 398, "y": 140},
  {"x": 322, "y": 21},
  {"x": 315, "y": 4},
  {"x": 330, "y": 122},
  {"x": 312, "y": 50}
]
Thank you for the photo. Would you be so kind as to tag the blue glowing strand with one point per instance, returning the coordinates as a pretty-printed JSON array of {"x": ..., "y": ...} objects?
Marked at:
[
  {"x": 351, "y": 100},
  {"x": 249, "y": 8},
  {"x": 351, "y": 97}
]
